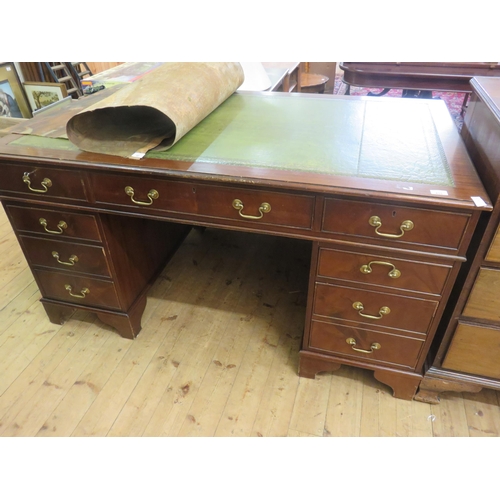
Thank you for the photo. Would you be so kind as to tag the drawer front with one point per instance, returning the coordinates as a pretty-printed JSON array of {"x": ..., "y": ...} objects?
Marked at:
[
  {"x": 484, "y": 300},
  {"x": 84, "y": 291},
  {"x": 398, "y": 225},
  {"x": 57, "y": 224},
  {"x": 474, "y": 350},
  {"x": 383, "y": 270},
  {"x": 352, "y": 342},
  {"x": 373, "y": 308},
  {"x": 65, "y": 256},
  {"x": 42, "y": 182},
  {"x": 254, "y": 206},
  {"x": 493, "y": 254}
]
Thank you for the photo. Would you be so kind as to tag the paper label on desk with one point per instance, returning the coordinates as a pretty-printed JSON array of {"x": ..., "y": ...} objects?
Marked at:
[
  {"x": 138, "y": 155},
  {"x": 478, "y": 201},
  {"x": 439, "y": 191}
]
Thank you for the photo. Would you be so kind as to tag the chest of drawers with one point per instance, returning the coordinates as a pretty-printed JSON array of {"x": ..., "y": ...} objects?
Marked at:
[
  {"x": 466, "y": 354},
  {"x": 97, "y": 230}
]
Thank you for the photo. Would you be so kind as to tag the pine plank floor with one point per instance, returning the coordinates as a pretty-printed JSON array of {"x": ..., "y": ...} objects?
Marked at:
[{"x": 217, "y": 356}]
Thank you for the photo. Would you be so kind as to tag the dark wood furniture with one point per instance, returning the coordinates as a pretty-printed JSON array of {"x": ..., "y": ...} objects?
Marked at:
[
  {"x": 313, "y": 83},
  {"x": 381, "y": 187},
  {"x": 420, "y": 76},
  {"x": 468, "y": 354}
]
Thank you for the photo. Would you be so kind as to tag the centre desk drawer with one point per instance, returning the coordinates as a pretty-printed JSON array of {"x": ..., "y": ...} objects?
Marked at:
[
  {"x": 43, "y": 182},
  {"x": 383, "y": 270},
  {"x": 373, "y": 308},
  {"x": 232, "y": 203},
  {"x": 66, "y": 256},
  {"x": 365, "y": 344},
  {"x": 77, "y": 289},
  {"x": 55, "y": 223},
  {"x": 395, "y": 224}
]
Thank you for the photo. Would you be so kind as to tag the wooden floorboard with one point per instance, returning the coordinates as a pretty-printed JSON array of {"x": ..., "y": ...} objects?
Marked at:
[{"x": 217, "y": 356}]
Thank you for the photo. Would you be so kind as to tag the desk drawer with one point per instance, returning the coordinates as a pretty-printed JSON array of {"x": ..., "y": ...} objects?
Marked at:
[
  {"x": 42, "y": 182},
  {"x": 57, "y": 224},
  {"x": 484, "y": 300},
  {"x": 66, "y": 256},
  {"x": 84, "y": 291},
  {"x": 395, "y": 224},
  {"x": 381, "y": 347},
  {"x": 255, "y": 206},
  {"x": 475, "y": 350},
  {"x": 493, "y": 254},
  {"x": 383, "y": 270},
  {"x": 373, "y": 308}
]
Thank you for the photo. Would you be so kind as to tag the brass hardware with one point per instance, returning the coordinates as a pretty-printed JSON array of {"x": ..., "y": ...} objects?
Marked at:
[
  {"x": 152, "y": 195},
  {"x": 360, "y": 307},
  {"x": 71, "y": 262},
  {"x": 83, "y": 292},
  {"x": 263, "y": 209},
  {"x": 393, "y": 273},
  {"x": 61, "y": 226},
  {"x": 376, "y": 222},
  {"x": 352, "y": 342},
  {"x": 46, "y": 183}
]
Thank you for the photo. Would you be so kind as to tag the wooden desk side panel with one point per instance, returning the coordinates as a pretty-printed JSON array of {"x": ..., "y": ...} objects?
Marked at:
[{"x": 139, "y": 249}]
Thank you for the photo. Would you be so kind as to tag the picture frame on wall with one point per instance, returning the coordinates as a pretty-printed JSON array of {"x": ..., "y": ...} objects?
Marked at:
[
  {"x": 13, "y": 101},
  {"x": 42, "y": 94}
]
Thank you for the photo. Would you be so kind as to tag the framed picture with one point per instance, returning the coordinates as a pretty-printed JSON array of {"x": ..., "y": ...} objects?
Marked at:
[
  {"x": 13, "y": 102},
  {"x": 41, "y": 94}
]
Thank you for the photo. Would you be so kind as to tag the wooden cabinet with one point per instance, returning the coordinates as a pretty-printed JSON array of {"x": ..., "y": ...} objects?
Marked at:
[
  {"x": 379, "y": 308},
  {"x": 466, "y": 355}
]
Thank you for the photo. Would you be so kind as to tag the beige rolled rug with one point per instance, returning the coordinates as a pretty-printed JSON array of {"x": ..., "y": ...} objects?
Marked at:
[{"x": 155, "y": 111}]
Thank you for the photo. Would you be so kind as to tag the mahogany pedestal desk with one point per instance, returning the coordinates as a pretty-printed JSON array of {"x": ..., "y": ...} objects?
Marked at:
[
  {"x": 468, "y": 344},
  {"x": 384, "y": 189}
]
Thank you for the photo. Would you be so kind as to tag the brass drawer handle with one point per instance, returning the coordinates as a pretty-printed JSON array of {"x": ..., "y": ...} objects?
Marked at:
[
  {"x": 263, "y": 209},
  {"x": 393, "y": 273},
  {"x": 381, "y": 313},
  {"x": 61, "y": 226},
  {"x": 46, "y": 183},
  {"x": 152, "y": 195},
  {"x": 83, "y": 292},
  {"x": 376, "y": 222},
  {"x": 72, "y": 260},
  {"x": 374, "y": 347}
]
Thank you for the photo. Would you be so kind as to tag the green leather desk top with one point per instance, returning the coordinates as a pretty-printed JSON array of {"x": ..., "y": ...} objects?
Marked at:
[
  {"x": 384, "y": 139},
  {"x": 373, "y": 139}
]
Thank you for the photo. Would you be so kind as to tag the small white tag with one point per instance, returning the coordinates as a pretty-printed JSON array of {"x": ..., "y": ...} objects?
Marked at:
[
  {"x": 478, "y": 201},
  {"x": 137, "y": 155},
  {"x": 439, "y": 191}
]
